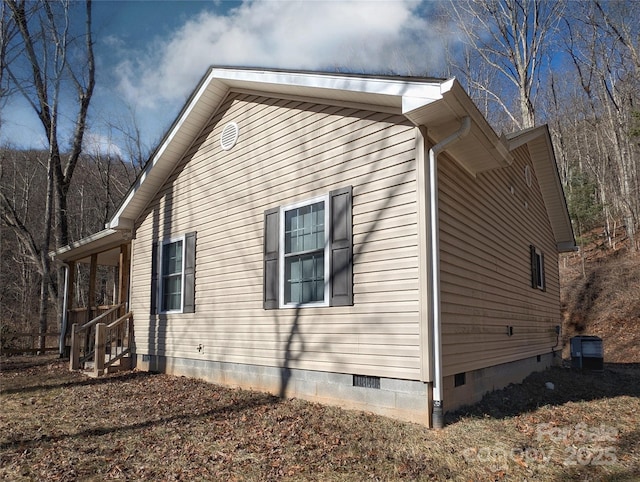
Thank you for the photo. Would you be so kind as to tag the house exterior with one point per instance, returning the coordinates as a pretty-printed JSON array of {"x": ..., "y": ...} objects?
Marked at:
[{"x": 362, "y": 241}]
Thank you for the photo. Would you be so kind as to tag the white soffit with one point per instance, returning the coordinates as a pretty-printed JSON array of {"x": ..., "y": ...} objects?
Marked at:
[
  {"x": 437, "y": 104},
  {"x": 481, "y": 150},
  {"x": 218, "y": 82},
  {"x": 105, "y": 243},
  {"x": 540, "y": 148}
]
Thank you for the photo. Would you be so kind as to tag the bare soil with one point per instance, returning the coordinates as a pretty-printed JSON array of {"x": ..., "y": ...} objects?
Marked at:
[{"x": 59, "y": 425}]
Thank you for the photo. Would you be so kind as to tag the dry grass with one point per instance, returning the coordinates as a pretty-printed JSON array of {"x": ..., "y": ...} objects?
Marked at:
[
  {"x": 57, "y": 425},
  {"x": 603, "y": 301}
]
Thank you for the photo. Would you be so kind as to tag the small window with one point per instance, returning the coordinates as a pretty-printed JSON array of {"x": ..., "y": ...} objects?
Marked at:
[
  {"x": 537, "y": 268},
  {"x": 304, "y": 258},
  {"x": 173, "y": 275}
]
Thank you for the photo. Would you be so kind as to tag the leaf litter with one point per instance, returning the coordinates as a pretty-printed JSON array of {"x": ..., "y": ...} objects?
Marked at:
[{"x": 60, "y": 425}]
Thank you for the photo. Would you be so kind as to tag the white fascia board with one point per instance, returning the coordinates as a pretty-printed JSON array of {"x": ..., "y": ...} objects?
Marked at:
[
  {"x": 90, "y": 244},
  {"x": 322, "y": 82},
  {"x": 416, "y": 93},
  {"x": 410, "y": 104},
  {"x": 118, "y": 221}
]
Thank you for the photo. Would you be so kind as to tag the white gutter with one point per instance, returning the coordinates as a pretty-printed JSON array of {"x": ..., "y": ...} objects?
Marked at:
[
  {"x": 437, "y": 412},
  {"x": 65, "y": 301}
]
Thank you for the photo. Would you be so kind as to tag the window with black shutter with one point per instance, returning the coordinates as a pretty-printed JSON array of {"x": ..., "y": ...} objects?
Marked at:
[
  {"x": 537, "y": 268},
  {"x": 308, "y": 253},
  {"x": 173, "y": 275}
]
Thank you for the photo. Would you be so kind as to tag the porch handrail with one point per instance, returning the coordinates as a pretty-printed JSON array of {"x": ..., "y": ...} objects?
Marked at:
[
  {"x": 120, "y": 320},
  {"x": 98, "y": 318},
  {"x": 83, "y": 336},
  {"x": 117, "y": 337}
]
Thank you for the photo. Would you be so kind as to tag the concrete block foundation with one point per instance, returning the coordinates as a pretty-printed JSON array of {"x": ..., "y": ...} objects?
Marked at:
[{"x": 407, "y": 400}]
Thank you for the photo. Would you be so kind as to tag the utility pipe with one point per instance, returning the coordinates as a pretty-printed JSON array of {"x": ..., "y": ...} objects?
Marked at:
[
  {"x": 65, "y": 300},
  {"x": 437, "y": 412}
]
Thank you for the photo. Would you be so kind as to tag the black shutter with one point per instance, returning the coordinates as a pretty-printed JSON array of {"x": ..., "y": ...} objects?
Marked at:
[
  {"x": 270, "y": 269},
  {"x": 189, "y": 293},
  {"x": 543, "y": 281},
  {"x": 341, "y": 248},
  {"x": 534, "y": 266},
  {"x": 154, "y": 278}
]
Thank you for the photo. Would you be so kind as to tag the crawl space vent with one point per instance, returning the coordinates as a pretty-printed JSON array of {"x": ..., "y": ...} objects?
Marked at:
[
  {"x": 229, "y": 136},
  {"x": 366, "y": 382}
]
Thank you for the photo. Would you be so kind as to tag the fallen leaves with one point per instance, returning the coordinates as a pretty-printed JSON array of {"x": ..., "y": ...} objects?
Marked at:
[{"x": 155, "y": 427}]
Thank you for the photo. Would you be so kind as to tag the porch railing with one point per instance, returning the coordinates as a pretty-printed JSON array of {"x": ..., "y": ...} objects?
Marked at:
[{"x": 103, "y": 340}]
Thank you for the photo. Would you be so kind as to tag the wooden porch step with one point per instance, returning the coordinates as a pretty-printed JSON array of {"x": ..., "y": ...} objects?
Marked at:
[{"x": 123, "y": 364}]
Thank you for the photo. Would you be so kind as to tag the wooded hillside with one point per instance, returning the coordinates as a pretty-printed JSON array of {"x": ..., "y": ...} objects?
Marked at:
[
  {"x": 573, "y": 65},
  {"x": 600, "y": 289}
]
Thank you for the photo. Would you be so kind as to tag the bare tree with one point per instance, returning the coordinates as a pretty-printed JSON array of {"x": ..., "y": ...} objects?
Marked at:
[
  {"x": 603, "y": 42},
  {"x": 511, "y": 37},
  {"x": 52, "y": 56}
]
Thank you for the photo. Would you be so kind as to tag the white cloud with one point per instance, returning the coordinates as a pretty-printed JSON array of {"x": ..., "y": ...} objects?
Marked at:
[
  {"x": 362, "y": 36},
  {"x": 97, "y": 144}
]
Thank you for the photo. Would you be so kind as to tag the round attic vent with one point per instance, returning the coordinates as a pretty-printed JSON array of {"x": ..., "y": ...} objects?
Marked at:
[
  {"x": 527, "y": 175},
  {"x": 229, "y": 136}
]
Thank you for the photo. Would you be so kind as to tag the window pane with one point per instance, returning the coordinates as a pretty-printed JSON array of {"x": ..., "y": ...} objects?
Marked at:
[
  {"x": 320, "y": 290},
  {"x": 172, "y": 258},
  {"x": 171, "y": 292},
  {"x": 294, "y": 268},
  {"x": 304, "y": 228},
  {"x": 308, "y": 268},
  {"x": 172, "y": 276},
  {"x": 304, "y": 278},
  {"x": 539, "y": 271},
  {"x": 308, "y": 291}
]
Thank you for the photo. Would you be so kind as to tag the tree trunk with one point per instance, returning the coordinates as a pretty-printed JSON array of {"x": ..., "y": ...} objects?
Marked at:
[{"x": 44, "y": 259}]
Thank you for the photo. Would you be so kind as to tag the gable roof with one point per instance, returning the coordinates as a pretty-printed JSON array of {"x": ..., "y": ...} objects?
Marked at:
[
  {"x": 436, "y": 103},
  {"x": 538, "y": 141}
]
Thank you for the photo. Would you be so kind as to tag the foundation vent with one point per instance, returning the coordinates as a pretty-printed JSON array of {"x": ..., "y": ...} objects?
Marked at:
[{"x": 365, "y": 381}]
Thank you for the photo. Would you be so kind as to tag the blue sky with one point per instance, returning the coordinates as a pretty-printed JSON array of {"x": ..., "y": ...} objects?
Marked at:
[{"x": 151, "y": 54}]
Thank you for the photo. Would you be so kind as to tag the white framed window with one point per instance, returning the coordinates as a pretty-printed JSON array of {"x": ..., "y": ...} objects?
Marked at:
[
  {"x": 537, "y": 268},
  {"x": 171, "y": 275},
  {"x": 308, "y": 252},
  {"x": 304, "y": 253}
]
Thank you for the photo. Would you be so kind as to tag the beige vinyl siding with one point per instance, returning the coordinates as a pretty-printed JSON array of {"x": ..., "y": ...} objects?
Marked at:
[
  {"x": 485, "y": 234},
  {"x": 289, "y": 151}
]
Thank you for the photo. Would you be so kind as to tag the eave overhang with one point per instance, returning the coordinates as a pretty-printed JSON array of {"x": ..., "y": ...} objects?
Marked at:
[
  {"x": 437, "y": 104},
  {"x": 543, "y": 159},
  {"x": 106, "y": 244},
  {"x": 482, "y": 150}
]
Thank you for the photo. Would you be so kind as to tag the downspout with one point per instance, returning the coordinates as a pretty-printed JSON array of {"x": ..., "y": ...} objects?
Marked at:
[
  {"x": 437, "y": 411},
  {"x": 64, "y": 320}
]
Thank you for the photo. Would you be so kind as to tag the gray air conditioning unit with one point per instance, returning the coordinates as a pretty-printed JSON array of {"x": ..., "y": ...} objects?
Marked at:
[{"x": 587, "y": 353}]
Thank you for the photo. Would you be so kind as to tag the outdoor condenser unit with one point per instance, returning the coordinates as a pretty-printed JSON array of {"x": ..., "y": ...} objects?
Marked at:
[{"x": 587, "y": 353}]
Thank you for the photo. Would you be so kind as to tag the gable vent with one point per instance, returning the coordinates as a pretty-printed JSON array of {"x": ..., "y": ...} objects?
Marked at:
[{"x": 229, "y": 136}]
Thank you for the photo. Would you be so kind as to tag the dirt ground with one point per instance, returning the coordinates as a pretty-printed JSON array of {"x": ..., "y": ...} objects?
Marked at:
[{"x": 58, "y": 425}]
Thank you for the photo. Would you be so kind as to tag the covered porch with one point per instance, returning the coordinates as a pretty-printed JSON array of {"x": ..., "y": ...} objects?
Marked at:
[{"x": 97, "y": 326}]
